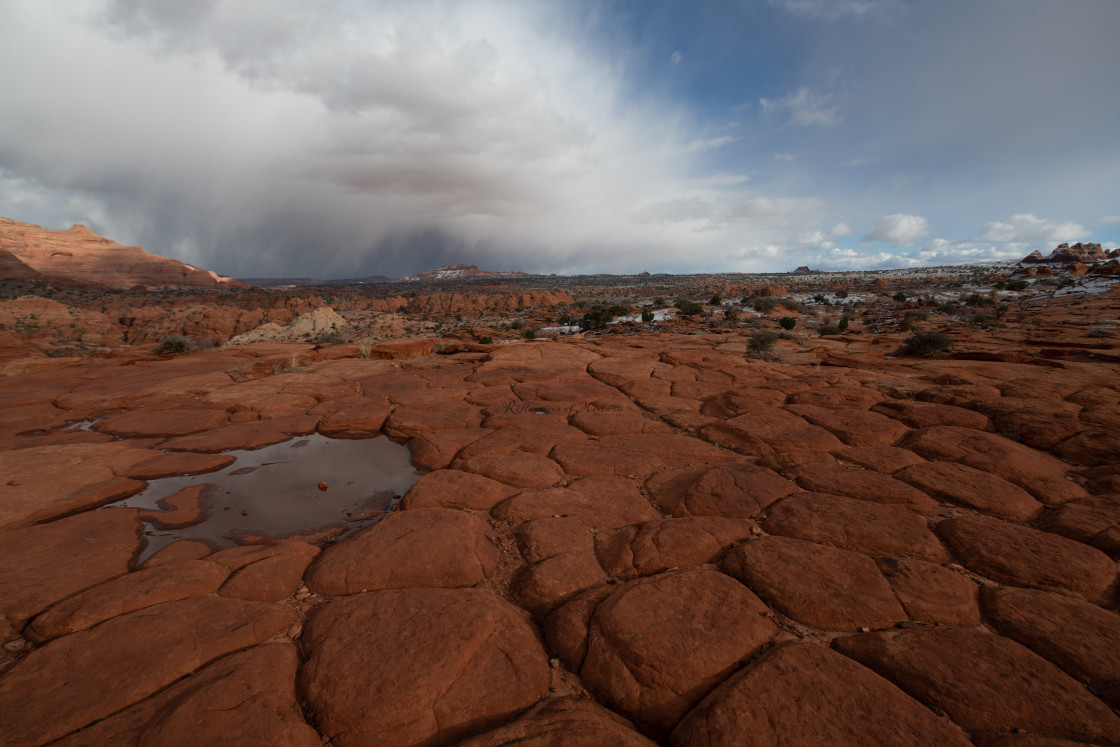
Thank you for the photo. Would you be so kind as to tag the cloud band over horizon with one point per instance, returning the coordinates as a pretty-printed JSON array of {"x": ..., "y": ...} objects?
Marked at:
[{"x": 345, "y": 138}]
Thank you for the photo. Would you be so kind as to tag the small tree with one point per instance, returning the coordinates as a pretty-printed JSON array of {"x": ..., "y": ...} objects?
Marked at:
[
  {"x": 844, "y": 322},
  {"x": 717, "y": 299},
  {"x": 787, "y": 322},
  {"x": 529, "y": 334},
  {"x": 900, "y": 297},
  {"x": 647, "y": 316},
  {"x": 841, "y": 294}
]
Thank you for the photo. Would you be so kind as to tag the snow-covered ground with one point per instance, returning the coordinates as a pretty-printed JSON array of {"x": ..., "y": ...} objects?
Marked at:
[
  {"x": 1092, "y": 285},
  {"x": 659, "y": 315}
]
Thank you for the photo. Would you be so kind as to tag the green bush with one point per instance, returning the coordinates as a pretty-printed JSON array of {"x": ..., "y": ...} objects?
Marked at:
[
  {"x": 731, "y": 315},
  {"x": 829, "y": 329},
  {"x": 928, "y": 344},
  {"x": 659, "y": 301},
  {"x": 688, "y": 308},
  {"x": 906, "y": 324},
  {"x": 844, "y": 322},
  {"x": 600, "y": 316},
  {"x": 647, "y": 316},
  {"x": 717, "y": 299},
  {"x": 174, "y": 345},
  {"x": 486, "y": 340},
  {"x": 841, "y": 294},
  {"x": 529, "y": 334},
  {"x": 1017, "y": 285},
  {"x": 900, "y": 297},
  {"x": 787, "y": 322}
]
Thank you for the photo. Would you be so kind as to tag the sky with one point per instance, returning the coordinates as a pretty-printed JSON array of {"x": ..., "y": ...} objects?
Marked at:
[{"x": 348, "y": 138}]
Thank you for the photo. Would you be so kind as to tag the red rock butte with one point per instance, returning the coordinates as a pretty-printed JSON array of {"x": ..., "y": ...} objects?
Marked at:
[
  {"x": 78, "y": 255},
  {"x": 711, "y": 528}
]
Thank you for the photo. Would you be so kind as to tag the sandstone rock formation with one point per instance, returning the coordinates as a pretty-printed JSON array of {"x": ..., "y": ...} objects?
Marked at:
[
  {"x": 79, "y": 255},
  {"x": 628, "y": 538}
]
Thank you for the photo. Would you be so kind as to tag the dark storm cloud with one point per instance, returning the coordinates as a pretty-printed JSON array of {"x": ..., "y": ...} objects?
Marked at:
[{"x": 344, "y": 138}]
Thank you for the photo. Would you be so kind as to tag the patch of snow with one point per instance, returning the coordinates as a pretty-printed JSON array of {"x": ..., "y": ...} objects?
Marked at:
[{"x": 1093, "y": 286}]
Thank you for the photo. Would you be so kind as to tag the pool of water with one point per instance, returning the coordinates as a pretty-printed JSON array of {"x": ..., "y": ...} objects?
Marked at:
[{"x": 305, "y": 485}]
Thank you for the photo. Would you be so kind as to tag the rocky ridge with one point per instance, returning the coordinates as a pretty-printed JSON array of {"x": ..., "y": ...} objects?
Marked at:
[{"x": 81, "y": 257}]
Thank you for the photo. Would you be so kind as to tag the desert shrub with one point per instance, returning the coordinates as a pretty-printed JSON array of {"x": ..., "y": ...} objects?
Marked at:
[
  {"x": 486, "y": 340},
  {"x": 928, "y": 344},
  {"x": 762, "y": 341},
  {"x": 688, "y": 308},
  {"x": 529, "y": 334},
  {"x": 600, "y": 316},
  {"x": 517, "y": 324},
  {"x": 328, "y": 338},
  {"x": 767, "y": 304},
  {"x": 844, "y": 322},
  {"x": 647, "y": 316},
  {"x": 716, "y": 300},
  {"x": 365, "y": 348},
  {"x": 900, "y": 297},
  {"x": 174, "y": 345},
  {"x": 841, "y": 294},
  {"x": 659, "y": 301},
  {"x": 906, "y": 324},
  {"x": 975, "y": 299},
  {"x": 787, "y": 322},
  {"x": 829, "y": 329},
  {"x": 731, "y": 315},
  {"x": 566, "y": 319},
  {"x": 821, "y": 298},
  {"x": 1017, "y": 285}
]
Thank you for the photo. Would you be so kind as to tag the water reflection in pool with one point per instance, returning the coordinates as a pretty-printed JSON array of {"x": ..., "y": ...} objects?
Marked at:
[{"x": 275, "y": 491}]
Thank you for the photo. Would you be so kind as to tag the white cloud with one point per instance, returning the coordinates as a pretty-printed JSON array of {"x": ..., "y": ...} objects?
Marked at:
[
  {"x": 392, "y": 137},
  {"x": 710, "y": 143},
  {"x": 676, "y": 58},
  {"x": 833, "y": 9},
  {"x": 805, "y": 107},
  {"x": 1025, "y": 227},
  {"x": 966, "y": 251},
  {"x": 840, "y": 229},
  {"x": 898, "y": 229},
  {"x": 784, "y": 157},
  {"x": 1109, "y": 220}
]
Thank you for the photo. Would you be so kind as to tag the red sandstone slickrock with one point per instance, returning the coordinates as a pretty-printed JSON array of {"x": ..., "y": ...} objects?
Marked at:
[{"x": 636, "y": 538}]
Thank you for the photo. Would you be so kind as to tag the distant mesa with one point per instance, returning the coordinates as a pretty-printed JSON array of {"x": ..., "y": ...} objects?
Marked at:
[
  {"x": 1066, "y": 254},
  {"x": 804, "y": 270},
  {"x": 79, "y": 256},
  {"x": 464, "y": 272},
  {"x": 306, "y": 282}
]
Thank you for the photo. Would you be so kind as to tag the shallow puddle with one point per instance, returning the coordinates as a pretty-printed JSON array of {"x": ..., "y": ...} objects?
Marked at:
[{"x": 276, "y": 491}]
